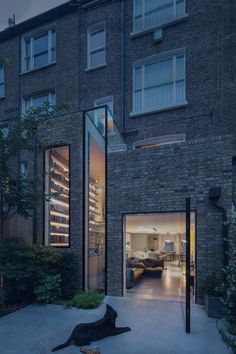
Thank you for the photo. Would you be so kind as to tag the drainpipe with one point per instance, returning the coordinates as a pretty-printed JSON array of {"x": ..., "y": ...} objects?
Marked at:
[
  {"x": 214, "y": 195},
  {"x": 122, "y": 61}
]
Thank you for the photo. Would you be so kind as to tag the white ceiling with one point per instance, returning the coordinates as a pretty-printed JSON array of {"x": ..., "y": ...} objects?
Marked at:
[{"x": 164, "y": 223}]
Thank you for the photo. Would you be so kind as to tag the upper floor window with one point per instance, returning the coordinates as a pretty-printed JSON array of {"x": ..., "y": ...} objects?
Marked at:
[
  {"x": 159, "y": 141},
  {"x": 38, "y": 101},
  {"x": 149, "y": 14},
  {"x": 24, "y": 169},
  {"x": 2, "y": 81},
  {"x": 159, "y": 82},
  {"x": 96, "y": 46},
  {"x": 39, "y": 50}
]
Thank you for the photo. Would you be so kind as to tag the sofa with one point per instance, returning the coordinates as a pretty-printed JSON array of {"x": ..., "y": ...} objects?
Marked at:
[{"x": 136, "y": 268}]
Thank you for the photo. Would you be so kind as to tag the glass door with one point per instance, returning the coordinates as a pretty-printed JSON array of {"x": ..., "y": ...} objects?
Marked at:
[{"x": 188, "y": 268}]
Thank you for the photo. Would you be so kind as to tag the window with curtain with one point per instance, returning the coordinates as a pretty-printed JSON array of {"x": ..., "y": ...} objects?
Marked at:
[
  {"x": 39, "y": 50},
  {"x": 159, "y": 82},
  {"x": 96, "y": 46},
  {"x": 38, "y": 101},
  {"x": 2, "y": 81},
  {"x": 153, "y": 13}
]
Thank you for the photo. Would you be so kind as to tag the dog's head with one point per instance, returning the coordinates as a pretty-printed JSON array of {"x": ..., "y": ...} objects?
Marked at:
[{"x": 111, "y": 313}]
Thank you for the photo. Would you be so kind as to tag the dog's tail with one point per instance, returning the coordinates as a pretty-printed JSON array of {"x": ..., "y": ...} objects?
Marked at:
[{"x": 64, "y": 345}]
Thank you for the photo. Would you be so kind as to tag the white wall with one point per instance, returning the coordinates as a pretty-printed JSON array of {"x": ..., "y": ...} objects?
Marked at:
[{"x": 140, "y": 242}]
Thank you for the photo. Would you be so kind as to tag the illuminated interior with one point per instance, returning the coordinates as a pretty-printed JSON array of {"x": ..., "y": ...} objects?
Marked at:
[
  {"x": 95, "y": 203},
  {"x": 155, "y": 247},
  {"x": 57, "y": 188}
]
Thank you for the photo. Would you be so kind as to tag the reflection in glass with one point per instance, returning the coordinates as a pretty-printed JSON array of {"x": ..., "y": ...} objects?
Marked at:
[
  {"x": 57, "y": 225},
  {"x": 95, "y": 192},
  {"x": 96, "y": 217},
  {"x": 40, "y": 60}
]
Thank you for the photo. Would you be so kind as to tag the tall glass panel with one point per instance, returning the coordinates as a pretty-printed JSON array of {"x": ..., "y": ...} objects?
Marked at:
[{"x": 95, "y": 201}]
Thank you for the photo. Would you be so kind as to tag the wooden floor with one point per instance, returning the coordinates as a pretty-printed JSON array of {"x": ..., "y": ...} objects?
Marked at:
[{"x": 171, "y": 286}]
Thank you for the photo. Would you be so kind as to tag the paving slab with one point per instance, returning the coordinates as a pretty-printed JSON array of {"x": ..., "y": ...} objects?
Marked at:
[{"x": 156, "y": 327}]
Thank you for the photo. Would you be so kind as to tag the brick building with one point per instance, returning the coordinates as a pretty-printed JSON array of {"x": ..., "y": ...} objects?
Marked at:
[{"x": 166, "y": 71}]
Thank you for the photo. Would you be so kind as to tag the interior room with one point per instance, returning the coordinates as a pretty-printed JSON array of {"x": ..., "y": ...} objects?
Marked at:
[
  {"x": 155, "y": 247},
  {"x": 96, "y": 216}
]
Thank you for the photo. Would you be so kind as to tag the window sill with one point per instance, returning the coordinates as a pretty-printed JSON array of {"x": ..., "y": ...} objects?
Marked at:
[
  {"x": 95, "y": 67},
  {"x": 2, "y": 97},
  {"x": 161, "y": 109},
  {"x": 37, "y": 69},
  {"x": 163, "y": 25}
]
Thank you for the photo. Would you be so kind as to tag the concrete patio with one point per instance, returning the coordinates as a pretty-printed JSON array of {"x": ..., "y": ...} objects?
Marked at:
[{"x": 156, "y": 327}]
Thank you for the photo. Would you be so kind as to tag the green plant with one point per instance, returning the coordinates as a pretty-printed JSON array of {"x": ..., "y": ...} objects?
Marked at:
[
  {"x": 68, "y": 268},
  {"x": 24, "y": 267},
  {"x": 16, "y": 268},
  {"x": 211, "y": 286},
  {"x": 229, "y": 286},
  {"x": 49, "y": 291},
  {"x": 85, "y": 300},
  {"x": 19, "y": 193}
]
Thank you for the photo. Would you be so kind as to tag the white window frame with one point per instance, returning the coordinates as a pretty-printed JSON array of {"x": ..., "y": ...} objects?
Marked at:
[
  {"x": 102, "y": 102},
  {"x": 90, "y": 31},
  {"x": 31, "y": 37},
  {"x": 2, "y": 83},
  {"x": 147, "y": 28},
  {"x": 160, "y": 141},
  {"x": 155, "y": 59},
  {"x": 50, "y": 94}
]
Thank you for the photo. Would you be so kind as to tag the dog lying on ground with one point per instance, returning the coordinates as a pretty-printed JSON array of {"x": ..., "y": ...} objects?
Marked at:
[{"x": 85, "y": 333}]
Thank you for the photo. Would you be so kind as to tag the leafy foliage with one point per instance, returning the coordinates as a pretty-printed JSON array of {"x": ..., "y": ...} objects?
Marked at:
[
  {"x": 68, "y": 268},
  {"x": 85, "y": 300},
  {"x": 229, "y": 286},
  {"x": 18, "y": 194},
  {"x": 49, "y": 289},
  {"x": 211, "y": 286},
  {"x": 24, "y": 267},
  {"x": 36, "y": 273}
]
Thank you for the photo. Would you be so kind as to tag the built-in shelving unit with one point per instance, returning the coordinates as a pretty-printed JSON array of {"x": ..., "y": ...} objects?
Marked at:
[
  {"x": 96, "y": 220},
  {"x": 59, "y": 204}
]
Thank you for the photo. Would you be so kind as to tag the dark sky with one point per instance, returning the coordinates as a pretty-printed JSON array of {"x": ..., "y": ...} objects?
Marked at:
[{"x": 24, "y": 9}]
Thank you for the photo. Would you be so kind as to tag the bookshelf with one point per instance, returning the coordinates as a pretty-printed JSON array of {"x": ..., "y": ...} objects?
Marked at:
[
  {"x": 96, "y": 219},
  {"x": 59, "y": 219}
]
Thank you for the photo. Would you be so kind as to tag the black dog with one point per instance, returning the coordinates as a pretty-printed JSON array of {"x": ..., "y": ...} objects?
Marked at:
[{"x": 85, "y": 333}]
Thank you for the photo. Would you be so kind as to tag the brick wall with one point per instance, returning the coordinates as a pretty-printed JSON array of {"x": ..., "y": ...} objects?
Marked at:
[{"x": 159, "y": 180}]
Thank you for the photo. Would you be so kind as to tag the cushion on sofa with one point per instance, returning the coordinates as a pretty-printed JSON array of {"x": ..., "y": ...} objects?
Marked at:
[
  {"x": 133, "y": 262},
  {"x": 153, "y": 263}
]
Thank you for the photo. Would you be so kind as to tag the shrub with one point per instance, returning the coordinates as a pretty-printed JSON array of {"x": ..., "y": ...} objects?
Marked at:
[
  {"x": 17, "y": 268},
  {"x": 23, "y": 267},
  {"x": 68, "y": 268},
  {"x": 211, "y": 286},
  {"x": 84, "y": 300},
  {"x": 229, "y": 286},
  {"x": 49, "y": 291}
]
